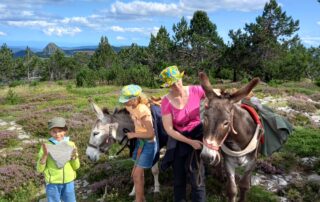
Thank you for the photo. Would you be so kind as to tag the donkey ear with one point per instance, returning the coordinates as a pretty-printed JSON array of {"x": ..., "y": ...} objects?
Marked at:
[
  {"x": 206, "y": 85},
  {"x": 244, "y": 91},
  {"x": 96, "y": 109}
]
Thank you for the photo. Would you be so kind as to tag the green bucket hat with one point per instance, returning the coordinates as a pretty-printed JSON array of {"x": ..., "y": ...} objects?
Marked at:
[
  {"x": 170, "y": 75},
  {"x": 57, "y": 122},
  {"x": 129, "y": 92}
]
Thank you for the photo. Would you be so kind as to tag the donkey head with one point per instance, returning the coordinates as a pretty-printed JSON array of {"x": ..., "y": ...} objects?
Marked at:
[
  {"x": 218, "y": 119},
  {"x": 107, "y": 129}
]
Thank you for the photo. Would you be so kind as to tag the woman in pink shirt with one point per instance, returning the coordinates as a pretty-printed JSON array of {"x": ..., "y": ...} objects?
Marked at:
[{"x": 180, "y": 110}]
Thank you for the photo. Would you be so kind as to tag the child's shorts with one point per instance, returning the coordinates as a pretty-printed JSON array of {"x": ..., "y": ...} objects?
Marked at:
[{"x": 147, "y": 155}]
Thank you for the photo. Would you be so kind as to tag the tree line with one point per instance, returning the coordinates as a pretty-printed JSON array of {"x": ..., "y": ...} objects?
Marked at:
[{"x": 268, "y": 48}]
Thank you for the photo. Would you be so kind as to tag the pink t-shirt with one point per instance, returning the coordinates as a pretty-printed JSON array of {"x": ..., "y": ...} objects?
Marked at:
[{"x": 187, "y": 118}]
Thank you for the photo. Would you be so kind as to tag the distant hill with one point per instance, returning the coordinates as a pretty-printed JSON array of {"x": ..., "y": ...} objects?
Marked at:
[
  {"x": 69, "y": 51},
  {"x": 50, "y": 49}
]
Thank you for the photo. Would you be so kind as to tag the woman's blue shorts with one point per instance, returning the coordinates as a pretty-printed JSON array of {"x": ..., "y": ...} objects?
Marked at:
[{"x": 147, "y": 155}]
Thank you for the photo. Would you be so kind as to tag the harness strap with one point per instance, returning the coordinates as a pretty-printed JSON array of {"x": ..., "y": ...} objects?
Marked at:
[
  {"x": 140, "y": 148},
  {"x": 198, "y": 167},
  {"x": 256, "y": 119},
  {"x": 250, "y": 147},
  {"x": 253, "y": 144}
]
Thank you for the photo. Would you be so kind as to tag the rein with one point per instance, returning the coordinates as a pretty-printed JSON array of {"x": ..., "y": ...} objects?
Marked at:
[
  {"x": 125, "y": 130},
  {"x": 103, "y": 150},
  {"x": 199, "y": 166}
]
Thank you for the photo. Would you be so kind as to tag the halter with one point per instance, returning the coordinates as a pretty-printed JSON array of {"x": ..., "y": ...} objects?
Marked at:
[
  {"x": 100, "y": 147},
  {"x": 217, "y": 148}
]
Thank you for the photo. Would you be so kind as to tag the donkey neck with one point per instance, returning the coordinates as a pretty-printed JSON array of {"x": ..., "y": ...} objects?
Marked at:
[
  {"x": 245, "y": 128},
  {"x": 124, "y": 121}
]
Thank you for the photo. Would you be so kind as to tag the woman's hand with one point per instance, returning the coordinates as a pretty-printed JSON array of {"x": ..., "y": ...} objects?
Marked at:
[
  {"x": 196, "y": 144},
  {"x": 130, "y": 135}
]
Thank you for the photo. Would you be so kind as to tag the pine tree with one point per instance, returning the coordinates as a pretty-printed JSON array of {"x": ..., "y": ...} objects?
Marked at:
[
  {"x": 206, "y": 44},
  {"x": 159, "y": 50},
  {"x": 104, "y": 56},
  {"x": 269, "y": 37},
  {"x": 7, "y": 66}
]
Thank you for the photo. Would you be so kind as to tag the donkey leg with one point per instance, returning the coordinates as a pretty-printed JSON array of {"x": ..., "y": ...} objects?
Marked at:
[
  {"x": 155, "y": 173},
  {"x": 133, "y": 192},
  {"x": 245, "y": 182},
  {"x": 232, "y": 190}
]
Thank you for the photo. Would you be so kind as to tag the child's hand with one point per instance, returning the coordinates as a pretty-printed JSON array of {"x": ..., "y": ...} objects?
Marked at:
[
  {"x": 45, "y": 150},
  {"x": 130, "y": 135},
  {"x": 44, "y": 157},
  {"x": 74, "y": 154}
]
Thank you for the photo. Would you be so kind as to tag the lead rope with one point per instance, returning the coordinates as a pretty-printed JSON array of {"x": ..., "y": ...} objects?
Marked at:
[{"x": 198, "y": 167}]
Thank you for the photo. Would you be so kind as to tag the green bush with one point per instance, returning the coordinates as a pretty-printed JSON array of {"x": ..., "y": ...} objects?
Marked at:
[
  {"x": 226, "y": 73},
  {"x": 86, "y": 78},
  {"x": 258, "y": 193},
  {"x": 15, "y": 83},
  {"x": 34, "y": 83},
  {"x": 245, "y": 80},
  {"x": 304, "y": 142},
  {"x": 12, "y": 97},
  {"x": 317, "y": 81}
]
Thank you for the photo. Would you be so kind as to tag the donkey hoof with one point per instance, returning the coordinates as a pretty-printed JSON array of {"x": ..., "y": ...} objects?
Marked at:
[
  {"x": 156, "y": 190},
  {"x": 132, "y": 193}
]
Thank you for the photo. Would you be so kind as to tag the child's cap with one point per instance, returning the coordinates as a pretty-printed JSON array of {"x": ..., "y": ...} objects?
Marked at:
[
  {"x": 129, "y": 92},
  {"x": 57, "y": 122}
]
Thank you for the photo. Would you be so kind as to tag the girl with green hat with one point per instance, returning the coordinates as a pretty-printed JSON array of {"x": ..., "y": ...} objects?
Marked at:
[
  {"x": 145, "y": 150},
  {"x": 180, "y": 110}
]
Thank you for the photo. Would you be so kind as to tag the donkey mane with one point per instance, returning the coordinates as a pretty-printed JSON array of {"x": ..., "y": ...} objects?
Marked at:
[
  {"x": 225, "y": 94},
  {"x": 116, "y": 111}
]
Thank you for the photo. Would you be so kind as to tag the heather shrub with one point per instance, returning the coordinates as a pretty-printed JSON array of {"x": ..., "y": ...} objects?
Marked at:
[
  {"x": 8, "y": 139},
  {"x": 315, "y": 97},
  {"x": 299, "y": 120},
  {"x": 301, "y": 105},
  {"x": 16, "y": 176}
]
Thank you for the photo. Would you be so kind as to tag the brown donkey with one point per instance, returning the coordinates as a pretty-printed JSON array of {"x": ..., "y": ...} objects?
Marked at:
[{"x": 230, "y": 127}]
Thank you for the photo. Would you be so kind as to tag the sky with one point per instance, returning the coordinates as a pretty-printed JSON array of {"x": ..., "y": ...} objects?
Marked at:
[{"x": 73, "y": 23}]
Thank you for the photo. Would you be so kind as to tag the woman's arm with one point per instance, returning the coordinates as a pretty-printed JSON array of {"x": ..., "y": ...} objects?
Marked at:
[{"x": 168, "y": 126}]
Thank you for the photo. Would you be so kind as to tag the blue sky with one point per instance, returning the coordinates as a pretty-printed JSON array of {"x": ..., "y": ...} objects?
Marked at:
[{"x": 71, "y": 23}]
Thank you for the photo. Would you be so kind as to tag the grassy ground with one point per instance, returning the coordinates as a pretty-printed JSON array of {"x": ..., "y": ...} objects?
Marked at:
[{"x": 33, "y": 105}]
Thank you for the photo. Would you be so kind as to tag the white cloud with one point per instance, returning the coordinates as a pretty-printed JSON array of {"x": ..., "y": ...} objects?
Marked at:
[
  {"x": 144, "y": 31},
  {"x": 60, "y": 31},
  {"x": 154, "y": 31},
  {"x": 312, "y": 41},
  {"x": 213, "y": 5},
  {"x": 82, "y": 20},
  {"x": 120, "y": 38},
  {"x": 30, "y": 23},
  {"x": 142, "y": 8},
  {"x": 130, "y": 29},
  {"x": 2, "y": 34},
  {"x": 27, "y": 13}
]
